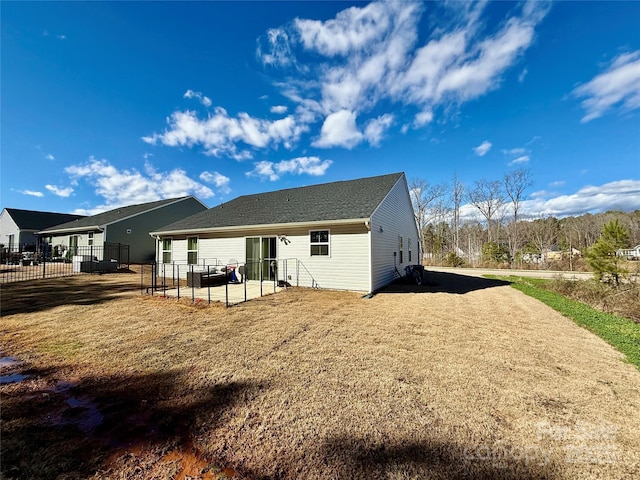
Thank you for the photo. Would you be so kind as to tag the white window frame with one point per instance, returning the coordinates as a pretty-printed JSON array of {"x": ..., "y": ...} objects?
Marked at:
[
  {"x": 192, "y": 251},
  {"x": 327, "y": 243},
  {"x": 90, "y": 239},
  {"x": 409, "y": 248},
  {"x": 400, "y": 248},
  {"x": 163, "y": 251}
]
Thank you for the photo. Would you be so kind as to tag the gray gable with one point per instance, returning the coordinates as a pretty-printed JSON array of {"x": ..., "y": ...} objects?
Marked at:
[
  {"x": 343, "y": 200},
  {"x": 105, "y": 218},
  {"x": 34, "y": 220}
]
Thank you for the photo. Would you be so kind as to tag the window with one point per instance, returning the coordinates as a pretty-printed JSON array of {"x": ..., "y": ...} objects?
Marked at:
[
  {"x": 409, "y": 247},
  {"x": 319, "y": 241},
  {"x": 192, "y": 250},
  {"x": 400, "y": 248},
  {"x": 73, "y": 245},
  {"x": 90, "y": 241},
  {"x": 166, "y": 250}
]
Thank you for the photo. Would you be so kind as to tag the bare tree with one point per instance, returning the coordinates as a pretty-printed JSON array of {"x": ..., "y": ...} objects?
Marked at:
[
  {"x": 457, "y": 194},
  {"x": 544, "y": 234},
  {"x": 487, "y": 196},
  {"x": 427, "y": 204},
  {"x": 515, "y": 184}
]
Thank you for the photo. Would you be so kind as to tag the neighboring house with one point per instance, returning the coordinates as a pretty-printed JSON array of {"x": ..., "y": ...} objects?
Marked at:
[
  {"x": 630, "y": 253},
  {"x": 554, "y": 254},
  {"x": 18, "y": 227},
  {"x": 125, "y": 225},
  {"x": 349, "y": 235}
]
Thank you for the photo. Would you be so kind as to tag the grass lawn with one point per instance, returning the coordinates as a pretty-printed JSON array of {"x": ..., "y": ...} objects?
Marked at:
[{"x": 462, "y": 378}]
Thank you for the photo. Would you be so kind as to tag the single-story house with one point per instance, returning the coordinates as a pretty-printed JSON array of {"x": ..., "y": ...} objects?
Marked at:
[
  {"x": 349, "y": 235},
  {"x": 554, "y": 254},
  {"x": 18, "y": 227},
  {"x": 630, "y": 253},
  {"x": 128, "y": 225}
]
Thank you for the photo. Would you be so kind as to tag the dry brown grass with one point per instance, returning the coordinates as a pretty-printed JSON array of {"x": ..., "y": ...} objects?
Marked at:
[{"x": 457, "y": 380}]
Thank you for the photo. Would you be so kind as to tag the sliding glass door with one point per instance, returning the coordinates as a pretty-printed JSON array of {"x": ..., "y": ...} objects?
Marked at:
[{"x": 261, "y": 257}]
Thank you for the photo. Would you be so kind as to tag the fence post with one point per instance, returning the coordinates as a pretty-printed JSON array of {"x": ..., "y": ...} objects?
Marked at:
[
  {"x": 178, "y": 280},
  {"x": 226, "y": 288},
  {"x": 208, "y": 285},
  {"x": 193, "y": 286},
  {"x": 245, "y": 281},
  {"x": 260, "y": 277},
  {"x": 44, "y": 266}
]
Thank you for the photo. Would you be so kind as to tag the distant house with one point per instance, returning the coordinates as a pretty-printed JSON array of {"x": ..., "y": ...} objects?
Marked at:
[
  {"x": 554, "y": 254},
  {"x": 349, "y": 235},
  {"x": 125, "y": 225},
  {"x": 630, "y": 253},
  {"x": 18, "y": 227}
]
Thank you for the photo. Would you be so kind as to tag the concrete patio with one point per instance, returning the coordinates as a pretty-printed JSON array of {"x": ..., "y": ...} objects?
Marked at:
[{"x": 232, "y": 293}]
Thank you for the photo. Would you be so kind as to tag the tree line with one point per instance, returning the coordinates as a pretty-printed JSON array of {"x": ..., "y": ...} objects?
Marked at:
[{"x": 502, "y": 235}]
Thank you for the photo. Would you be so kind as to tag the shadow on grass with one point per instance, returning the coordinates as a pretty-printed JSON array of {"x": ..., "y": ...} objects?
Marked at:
[
  {"x": 443, "y": 282},
  {"x": 40, "y": 295},
  {"x": 437, "y": 459},
  {"x": 72, "y": 430}
]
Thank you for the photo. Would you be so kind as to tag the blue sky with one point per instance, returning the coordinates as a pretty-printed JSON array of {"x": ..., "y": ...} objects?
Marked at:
[{"x": 115, "y": 103}]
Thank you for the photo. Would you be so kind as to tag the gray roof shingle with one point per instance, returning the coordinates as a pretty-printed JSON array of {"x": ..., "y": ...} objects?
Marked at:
[
  {"x": 105, "y": 218},
  {"x": 34, "y": 220},
  {"x": 350, "y": 199}
]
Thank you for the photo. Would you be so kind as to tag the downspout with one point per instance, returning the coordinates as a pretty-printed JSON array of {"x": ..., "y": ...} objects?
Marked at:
[{"x": 367, "y": 224}]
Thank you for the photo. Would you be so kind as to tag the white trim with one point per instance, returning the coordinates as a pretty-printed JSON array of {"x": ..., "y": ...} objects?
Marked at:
[
  {"x": 197, "y": 250},
  {"x": 327, "y": 243},
  {"x": 162, "y": 250}
]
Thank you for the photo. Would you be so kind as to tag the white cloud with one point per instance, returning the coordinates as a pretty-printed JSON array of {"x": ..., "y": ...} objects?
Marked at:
[
  {"x": 520, "y": 160},
  {"x": 279, "y": 109},
  {"x": 217, "y": 179},
  {"x": 61, "y": 37},
  {"x": 206, "y": 101},
  {"x": 617, "y": 86},
  {"x": 482, "y": 149},
  {"x": 523, "y": 74},
  {"x": 539, "y": 194},
  {"x": 219, "y": 133},
  {"x": 618, "y": 195},
  {"x": 375, "y": 129},
  {"x": 557, "y": 183},
  {"x": 60, "y": 192},
  {"x": 297, "y": 166},
  {"x": 31, "y": 193},
  {"x": 362, "y": 60},
  {"x": 339, "y": 130},
  {"x": 514, "y": 151},
  {"x": 129, "y": 186},
  {"x": 49, "y": 157},
  {"x": 274, "y": 50},
  {"x": 422, "y": 118},
  {"x": 352, "y": 29}
]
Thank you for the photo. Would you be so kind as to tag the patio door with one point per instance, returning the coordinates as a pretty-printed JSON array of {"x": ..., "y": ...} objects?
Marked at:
[{"x": 261, "y": 256}]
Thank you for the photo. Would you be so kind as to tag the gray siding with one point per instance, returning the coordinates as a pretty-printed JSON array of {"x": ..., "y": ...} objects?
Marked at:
[
  {"x": 392, "y": 219},
  {"x": 134, "y": 231}
]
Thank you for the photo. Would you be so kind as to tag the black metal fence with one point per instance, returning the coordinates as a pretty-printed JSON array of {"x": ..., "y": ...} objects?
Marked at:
[
  {"x": 229, "y": 283},
  {"x": 30, "y": 262}
]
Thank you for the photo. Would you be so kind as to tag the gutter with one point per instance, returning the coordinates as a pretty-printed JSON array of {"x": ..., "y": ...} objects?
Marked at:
[
  {"x": 71, "y": 230},
  {"x": 263, "y": 226}
]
